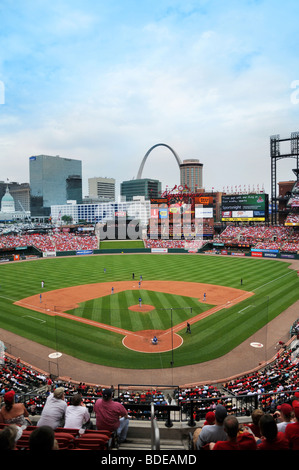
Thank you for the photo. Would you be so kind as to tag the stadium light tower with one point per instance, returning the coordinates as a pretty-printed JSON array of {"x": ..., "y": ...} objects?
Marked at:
[{"x": 275, "y": 155}]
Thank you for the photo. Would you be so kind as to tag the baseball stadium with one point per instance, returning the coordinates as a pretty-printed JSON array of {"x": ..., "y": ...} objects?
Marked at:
[{"x": 175, "y": 324}]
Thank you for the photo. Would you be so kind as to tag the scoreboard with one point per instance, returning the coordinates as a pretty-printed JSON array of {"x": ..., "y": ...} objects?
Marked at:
[{"x": 245, "y": 208}]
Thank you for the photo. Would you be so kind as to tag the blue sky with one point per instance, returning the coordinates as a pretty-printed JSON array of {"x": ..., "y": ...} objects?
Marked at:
[{"x": 103, "y": 81}]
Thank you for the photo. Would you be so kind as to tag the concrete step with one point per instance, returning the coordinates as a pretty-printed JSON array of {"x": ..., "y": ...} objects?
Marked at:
[{"x": 137, "y": 443}]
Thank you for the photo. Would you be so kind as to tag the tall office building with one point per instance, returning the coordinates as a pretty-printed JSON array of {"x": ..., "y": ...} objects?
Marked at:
[
  {"x": 101, "y": 188},
  {"x": 53, "y": 180},
  {"x": 191, "y": 174},
  {"x": 146, "y": 187}
]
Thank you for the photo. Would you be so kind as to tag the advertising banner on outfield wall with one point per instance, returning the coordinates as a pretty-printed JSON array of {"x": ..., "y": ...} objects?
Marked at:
[
  {"x": 270, "y": 255},
  {"x": 257, "y": 254},
  {"x": 49, "y": 254},
  {"x": 84, "y": 252},
  {"x": 265, "y": 250},
  {"x": 159, "y": 250}
]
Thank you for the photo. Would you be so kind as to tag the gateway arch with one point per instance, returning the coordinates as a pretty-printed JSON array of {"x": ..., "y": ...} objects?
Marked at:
[{"x": 149, "y": 151}]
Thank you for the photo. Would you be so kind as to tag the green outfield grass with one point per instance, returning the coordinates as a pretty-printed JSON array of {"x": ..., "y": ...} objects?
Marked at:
[
  {"x": 121, "y": 244},
  {"x": 275, "y": 288}
]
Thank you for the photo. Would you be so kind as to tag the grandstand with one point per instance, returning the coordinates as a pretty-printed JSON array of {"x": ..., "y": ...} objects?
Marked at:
[
  {"x": 53, "y": 242},
  {"x": 176, "y": 410},
  {"x": 281, "y": 238}
]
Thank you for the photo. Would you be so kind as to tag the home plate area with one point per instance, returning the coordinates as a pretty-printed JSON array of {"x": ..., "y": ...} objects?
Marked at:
[{"x": 141, "y": 341}]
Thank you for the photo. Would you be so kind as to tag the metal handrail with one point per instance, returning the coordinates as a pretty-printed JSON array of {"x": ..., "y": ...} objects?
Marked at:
[{"x": 155, "y": 433}]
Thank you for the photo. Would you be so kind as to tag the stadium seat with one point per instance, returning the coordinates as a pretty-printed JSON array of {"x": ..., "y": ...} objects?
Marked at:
[
  {"x": 66, "y": 441},
  {"x": 93, "y": 442},
  {"x": 98, "y": 431},
  {"x": 105, "y": 435},
  {"x": 74, "y": 432}
]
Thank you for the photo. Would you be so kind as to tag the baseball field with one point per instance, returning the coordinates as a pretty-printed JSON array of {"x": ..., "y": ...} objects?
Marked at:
[{"x": 76, "y": 313}]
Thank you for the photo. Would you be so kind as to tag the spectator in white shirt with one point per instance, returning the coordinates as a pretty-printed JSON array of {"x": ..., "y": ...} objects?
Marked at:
[{"x": 77, "y": 415}]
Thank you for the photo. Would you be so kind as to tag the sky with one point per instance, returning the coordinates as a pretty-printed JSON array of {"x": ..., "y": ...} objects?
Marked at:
[{"x": 104, "y": 81}]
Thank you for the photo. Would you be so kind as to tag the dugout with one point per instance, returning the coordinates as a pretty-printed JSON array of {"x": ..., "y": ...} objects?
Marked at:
[{"x": 19, "y": 253}]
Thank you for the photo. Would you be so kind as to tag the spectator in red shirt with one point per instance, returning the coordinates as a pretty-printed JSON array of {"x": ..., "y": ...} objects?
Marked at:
[
  {"x": 111, "y": 415},
  {"x": 235, "y": 440},
  {"x": 272, "y": 439},
  {"x": 292, "y": 429}
]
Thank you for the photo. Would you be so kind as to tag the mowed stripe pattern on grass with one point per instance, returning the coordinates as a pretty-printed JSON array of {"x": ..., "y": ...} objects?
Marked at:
[{"x": 114, "y": 310}]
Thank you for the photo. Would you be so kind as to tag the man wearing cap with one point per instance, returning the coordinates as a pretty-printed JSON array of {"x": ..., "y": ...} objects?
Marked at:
[
  {"x": 111, "y": 415},
  {"x": 54, "y": 410},
  {"x": 285, "y": 413},
  {"x": 210, "y": 419},
  {"x": 292, "y": 429},
  {"x": 214, "y": 432}
]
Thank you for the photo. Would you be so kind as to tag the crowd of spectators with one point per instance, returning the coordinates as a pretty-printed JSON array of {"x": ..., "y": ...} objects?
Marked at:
[
  {"x": 191, "y": 245},
  {"x": 273, "y": 387},
  {"x": 278, "y": 237},
  {"x": 56, "y": 241},
  {"x": 160, "y": 243}
]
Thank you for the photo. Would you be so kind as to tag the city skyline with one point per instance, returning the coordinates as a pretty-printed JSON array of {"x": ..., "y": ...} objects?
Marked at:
[{"x": 102, "y": 83}]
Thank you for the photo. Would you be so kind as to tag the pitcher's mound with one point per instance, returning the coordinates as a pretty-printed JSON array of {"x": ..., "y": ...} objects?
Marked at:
[{"x": 142, "y": 308}]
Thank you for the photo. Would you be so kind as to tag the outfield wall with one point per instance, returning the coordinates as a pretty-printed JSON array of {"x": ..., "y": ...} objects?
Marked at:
[
  {"x": 31, "y": 252},
  {"x": 227, "y": 252}
]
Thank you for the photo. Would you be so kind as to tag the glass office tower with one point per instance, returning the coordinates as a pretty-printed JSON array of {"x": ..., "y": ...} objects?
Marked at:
[
  {"x": 148, "y": 188},
  {"x": 53, "y": 180}
]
